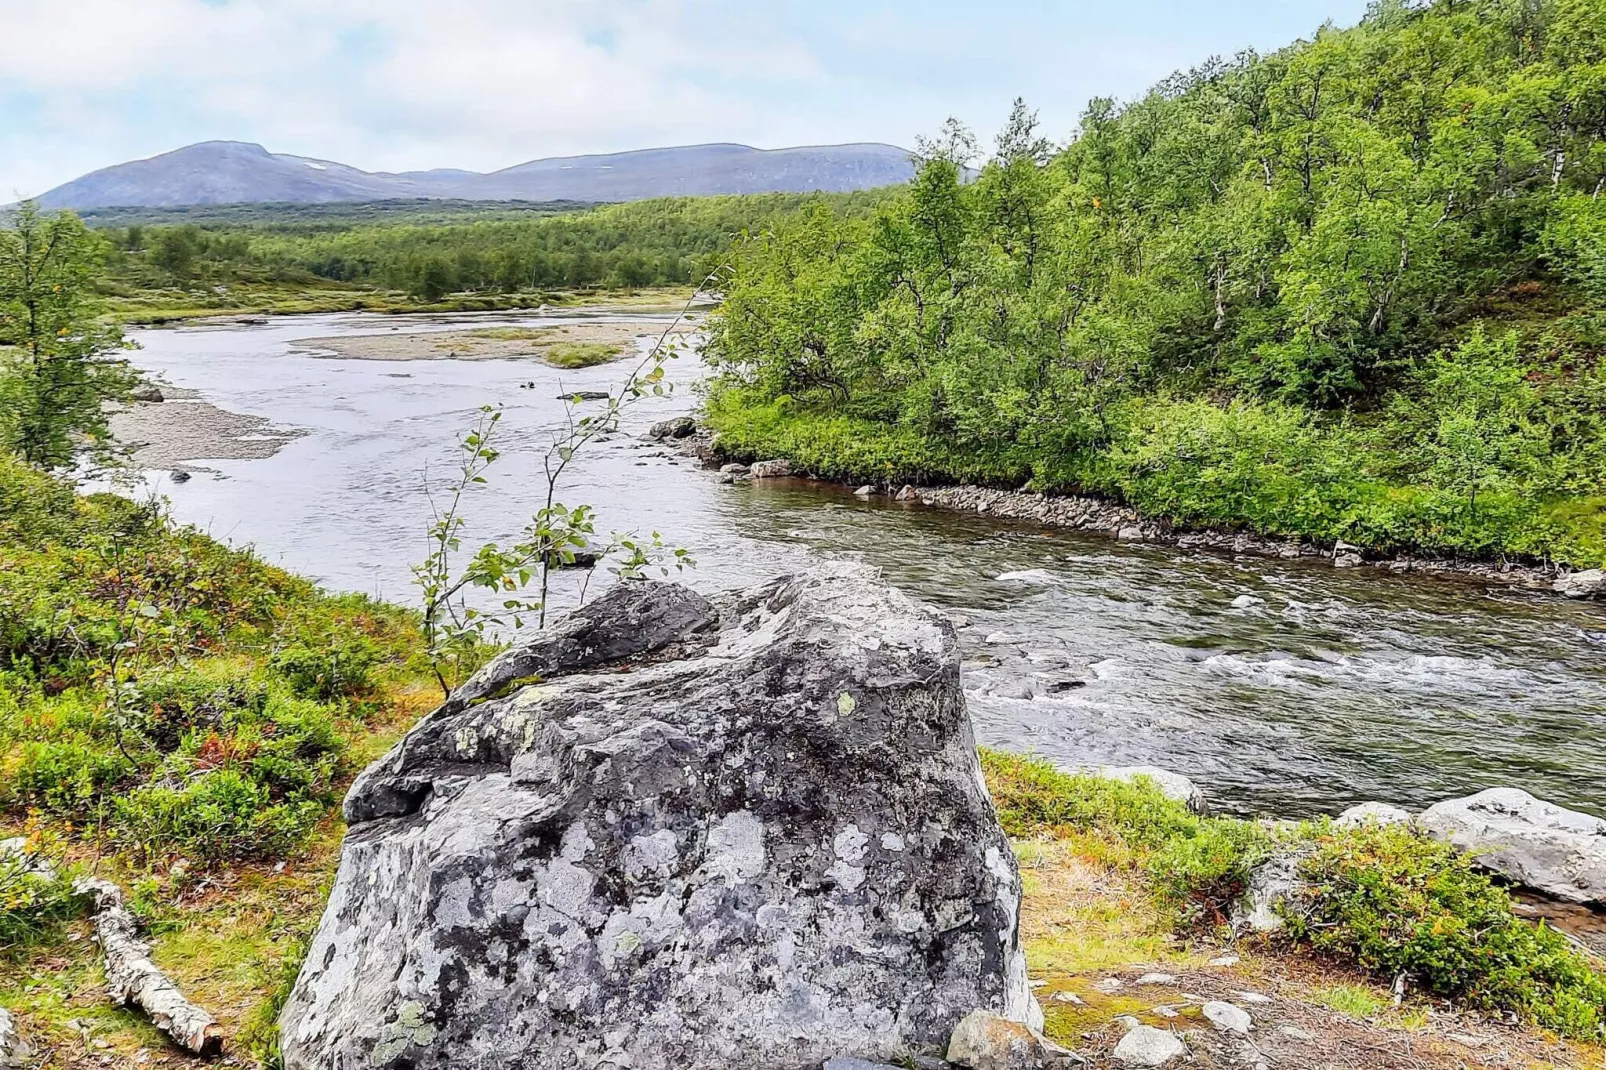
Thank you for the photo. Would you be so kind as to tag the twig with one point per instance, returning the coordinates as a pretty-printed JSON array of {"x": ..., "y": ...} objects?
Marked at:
[{"x": 132, "y": 978}]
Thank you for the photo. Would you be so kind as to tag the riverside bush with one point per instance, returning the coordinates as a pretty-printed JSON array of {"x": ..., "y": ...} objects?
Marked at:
[
  {"x": 1397, "y": 903},
  {"x": 1311, "y": 292},
  {"x": 1385, "y": 899},
  {"x": 170, "y": 695}
]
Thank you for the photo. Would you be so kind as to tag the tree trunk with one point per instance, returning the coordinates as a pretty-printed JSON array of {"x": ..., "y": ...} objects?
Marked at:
[{"x": 132, "y": 978}]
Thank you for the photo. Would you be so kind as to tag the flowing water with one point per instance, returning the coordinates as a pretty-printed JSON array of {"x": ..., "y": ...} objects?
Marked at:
[{"x": 1283, "y": 687}]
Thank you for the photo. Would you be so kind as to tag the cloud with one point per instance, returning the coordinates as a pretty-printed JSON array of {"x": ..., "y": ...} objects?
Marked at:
[{"x": 405, "y": 84}]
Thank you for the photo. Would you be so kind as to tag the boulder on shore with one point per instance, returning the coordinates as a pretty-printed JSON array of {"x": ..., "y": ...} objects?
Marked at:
[
  {"x": 1590, "y": 583},
  {"x": 1372, "y": 813},
  {"x": 770, "y": 469},
  {"x": 679, "y": 427},
  {"x": 147, "y": 392},
  {"x": 1173, "y": 786},
  {"x": 1539, "y": 845},
  {"x": 756, "y": 836}
]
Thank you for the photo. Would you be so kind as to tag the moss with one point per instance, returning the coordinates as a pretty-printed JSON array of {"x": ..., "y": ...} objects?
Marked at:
[{"x": 580, "y": 354}]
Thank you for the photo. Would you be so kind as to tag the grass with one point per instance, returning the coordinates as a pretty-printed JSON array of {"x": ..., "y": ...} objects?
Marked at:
[{"x": 580, "y": 354}]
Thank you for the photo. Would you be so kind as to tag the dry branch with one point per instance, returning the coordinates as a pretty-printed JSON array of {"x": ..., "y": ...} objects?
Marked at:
[{"x": 132, "y": 978}]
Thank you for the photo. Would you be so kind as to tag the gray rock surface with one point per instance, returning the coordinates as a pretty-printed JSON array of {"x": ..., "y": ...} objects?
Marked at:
[
  {"x": 1173, "y": 786},
  {"x": 1144, "y": 1045},
  {"x": 1272, "y": 883},
  {"x": 1227, "y": 1017},
  {"x": 761, "y": 843},
  {"x": 770, "y": 469},
  {"x": 1590, "y": 583},
  {"x": 1539, "y": 845},
  {"x": 1372, "y": 813},
  {"x": 14, "y": 1052},
  {"x": 679, "y": 427}
]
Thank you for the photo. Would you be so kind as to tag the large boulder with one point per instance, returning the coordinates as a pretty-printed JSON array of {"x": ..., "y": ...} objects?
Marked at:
[
  {"x": 1557, "y": 852},
  {"x": 745, "y": 834}
]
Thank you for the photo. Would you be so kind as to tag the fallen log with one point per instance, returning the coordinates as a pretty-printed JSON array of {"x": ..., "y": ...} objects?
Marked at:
[{"x": 133, "y": 979}]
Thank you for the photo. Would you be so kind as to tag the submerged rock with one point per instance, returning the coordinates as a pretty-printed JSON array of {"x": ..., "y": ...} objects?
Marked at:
[
  {"x": 762, "y": 841},
  {"x": 1539, "y": 845}
]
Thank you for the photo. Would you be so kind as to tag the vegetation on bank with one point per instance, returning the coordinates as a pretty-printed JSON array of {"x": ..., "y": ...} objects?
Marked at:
[
  {"x": 1384, "y": 899},
  {"x": 1349, "y": 290},
  {"x": 179, "y": 715},
  {"x": 429, "y": 257}
]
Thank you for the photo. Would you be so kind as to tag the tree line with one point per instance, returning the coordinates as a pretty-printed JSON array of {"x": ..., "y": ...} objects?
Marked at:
[{"x": 1354, "y": 288}]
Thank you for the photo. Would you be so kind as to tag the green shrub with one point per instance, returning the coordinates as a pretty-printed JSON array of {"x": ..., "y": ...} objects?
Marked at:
[
  {"x": 68, "y": 777},
  {"x": 339, "y": 667},
  {"x": 220, "y": 816},
  {"x": 1204, "y": 874},
  {"x": 1397, "y": 903},
  {"x": 33, "y": 904}
]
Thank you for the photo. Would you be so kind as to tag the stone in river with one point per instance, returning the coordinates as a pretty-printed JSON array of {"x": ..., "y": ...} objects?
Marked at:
[
  {"x": 675, "y": 833},
  {"x": 679, "y": 427}
]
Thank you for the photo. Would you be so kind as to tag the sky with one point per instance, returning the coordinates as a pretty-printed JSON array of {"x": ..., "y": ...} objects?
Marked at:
[{"x": 482, "y": 84}]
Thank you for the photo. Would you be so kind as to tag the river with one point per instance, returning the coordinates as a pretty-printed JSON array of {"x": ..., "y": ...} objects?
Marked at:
[{"x": 1282, "y": 687}]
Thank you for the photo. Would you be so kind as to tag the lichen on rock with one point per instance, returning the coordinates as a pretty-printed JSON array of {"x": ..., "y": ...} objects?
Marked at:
[{"x": 756, "y": 834}]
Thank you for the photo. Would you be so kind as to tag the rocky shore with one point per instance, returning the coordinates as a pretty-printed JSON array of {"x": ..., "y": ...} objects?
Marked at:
[{"x": 1103, "y": 517}]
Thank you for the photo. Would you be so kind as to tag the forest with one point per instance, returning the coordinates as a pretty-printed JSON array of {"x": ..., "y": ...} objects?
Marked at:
[
  {"x": 1354, "y": 289},
  {"x": 429, "y": 250}
]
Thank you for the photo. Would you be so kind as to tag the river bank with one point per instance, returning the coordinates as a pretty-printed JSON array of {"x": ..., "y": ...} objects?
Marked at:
[{"x": 1102, "y": 516}]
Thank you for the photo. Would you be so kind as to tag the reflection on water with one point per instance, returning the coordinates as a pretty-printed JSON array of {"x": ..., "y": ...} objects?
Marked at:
[{"x": 1285, "y": 687}]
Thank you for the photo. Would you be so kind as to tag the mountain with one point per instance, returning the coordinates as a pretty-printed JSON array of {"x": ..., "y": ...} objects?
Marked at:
[{"x": 234, "y": 172}]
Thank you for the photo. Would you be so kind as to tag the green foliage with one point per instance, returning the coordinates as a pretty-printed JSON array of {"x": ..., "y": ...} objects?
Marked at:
[
  {"x": 433, "y": 250},
  {"x": 1398, "y": 903},
  {"x": 57, "y": 363},
  {"x": 1350, "y": 289},
  {"x": 580, "y": 354},
  {"x": 1198, "y": 865},
  {"x": 166, "y": 694},
  {"x": 35, "y": 901}
]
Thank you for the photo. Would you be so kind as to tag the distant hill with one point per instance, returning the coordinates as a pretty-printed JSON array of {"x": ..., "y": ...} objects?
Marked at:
[{"x": 233, "y": 172}]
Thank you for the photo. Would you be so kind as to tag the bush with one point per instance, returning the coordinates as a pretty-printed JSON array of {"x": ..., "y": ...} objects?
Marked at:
[
  {"x": 1398, "y": 903},
  {"x": 67, "y": 778},
  {"x": 33, "y": 903},
  {"x": 340, "y": 667},
  {"x": 220, "y": 816}
]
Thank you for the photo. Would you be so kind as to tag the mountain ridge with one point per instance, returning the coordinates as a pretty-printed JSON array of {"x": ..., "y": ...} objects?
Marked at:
[{"x": 238, "y": 172}]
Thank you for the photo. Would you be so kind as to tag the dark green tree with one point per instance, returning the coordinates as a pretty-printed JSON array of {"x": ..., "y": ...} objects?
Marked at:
[{"x": 59, "y": 361}]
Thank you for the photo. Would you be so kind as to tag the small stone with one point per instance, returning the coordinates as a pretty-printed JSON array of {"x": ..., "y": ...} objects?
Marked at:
[
  {"x": 147, "y": 392},
  {"x": 907, "y": 494},
  {"x": 986, "y": 1041},
  {"x": 1253, "y": 997},
  {"x": 1069, "y": 997},
  {"x": 1158, "y": 979},
  {"x": 1225, "y": 960},
  {"x": 1295, "y": 1032},
  {"x": 1110, "y": 984},
  {"x": 1165, "y": 1011},
  {"x": 1147, "y": 1046},
  {"x": 1228, "y": 1017},
  {"x": 865, "y": 491}
]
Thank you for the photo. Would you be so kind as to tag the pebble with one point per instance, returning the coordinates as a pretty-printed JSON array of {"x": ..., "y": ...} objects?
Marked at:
[
  {"x": 1110, "y": 984},
  {"x": 1225, "y": 960},
  {"x": 1069, "y": 997},
  {"x": 1145, "y": 1045},
  {"x": 1227, "y": 1017},
  {"x": 1253, "y": 997},
  {"x": 1158, "y": 979}
]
